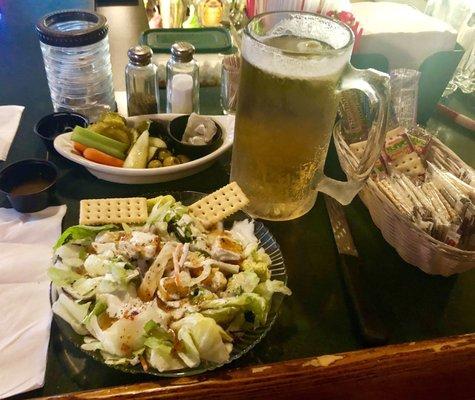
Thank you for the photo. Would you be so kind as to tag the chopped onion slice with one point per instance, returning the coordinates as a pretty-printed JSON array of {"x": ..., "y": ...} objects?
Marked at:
[
  {"x": 226, "y": 267},
  {"x": 204, "y": 274}
]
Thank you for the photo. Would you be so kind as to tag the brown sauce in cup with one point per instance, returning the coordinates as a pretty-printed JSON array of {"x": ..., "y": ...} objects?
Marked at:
[{"x": 30, "y": 187}]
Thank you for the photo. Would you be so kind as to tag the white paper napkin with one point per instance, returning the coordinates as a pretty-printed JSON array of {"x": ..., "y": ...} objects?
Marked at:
[
  {"x": 25, "y": 248},
  {"x": 9, "y": 120}
]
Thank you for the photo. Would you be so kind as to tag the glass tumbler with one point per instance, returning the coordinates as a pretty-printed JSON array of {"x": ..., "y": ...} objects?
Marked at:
[
  {"x": 229, "y": 83},
  {"x": 76, "y": 56}
]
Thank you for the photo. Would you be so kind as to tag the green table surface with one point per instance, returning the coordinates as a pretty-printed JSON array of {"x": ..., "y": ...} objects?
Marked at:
[{"x": 316, "y": 319}]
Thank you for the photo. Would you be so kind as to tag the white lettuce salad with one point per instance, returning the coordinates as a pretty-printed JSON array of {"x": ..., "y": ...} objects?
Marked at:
[{"x": 167, "y": 294}]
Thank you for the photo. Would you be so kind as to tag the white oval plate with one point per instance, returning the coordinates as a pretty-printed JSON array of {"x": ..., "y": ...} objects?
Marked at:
[{"x": 64, "y": 146}]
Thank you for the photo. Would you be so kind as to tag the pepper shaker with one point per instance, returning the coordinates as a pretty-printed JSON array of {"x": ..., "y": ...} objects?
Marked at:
[
  {"x": 141, "y": 82},
  {"x": 182, "y": 80}
]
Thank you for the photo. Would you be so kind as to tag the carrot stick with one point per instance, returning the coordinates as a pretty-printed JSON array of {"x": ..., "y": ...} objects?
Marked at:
[
  {"x": 79, "y": 147},
  {"x": 102, "y": 158}
]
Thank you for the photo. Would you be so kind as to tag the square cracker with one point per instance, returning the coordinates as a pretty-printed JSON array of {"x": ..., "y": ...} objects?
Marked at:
[
  {"x": 131, "y": 210},
  {"x": 410, "y": 164},
  {"x": 219, "y": 205},
  {"x": 394, "y": 134}
]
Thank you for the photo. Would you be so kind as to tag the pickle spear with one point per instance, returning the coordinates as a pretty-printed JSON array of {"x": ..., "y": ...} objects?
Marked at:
[
  {"x": 113, "y": 132},
  {"x": 138, "y": 154}
]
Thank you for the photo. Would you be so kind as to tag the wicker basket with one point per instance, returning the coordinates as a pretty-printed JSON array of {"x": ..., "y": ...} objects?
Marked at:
[{"x": 413, "y": 244}]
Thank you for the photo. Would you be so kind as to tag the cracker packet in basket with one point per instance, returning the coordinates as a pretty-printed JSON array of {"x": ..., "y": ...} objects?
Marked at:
[{"x": 421, "y": 195}]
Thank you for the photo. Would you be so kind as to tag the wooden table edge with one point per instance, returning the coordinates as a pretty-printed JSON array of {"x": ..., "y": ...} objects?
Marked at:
[{"x": 441, "y": 368}]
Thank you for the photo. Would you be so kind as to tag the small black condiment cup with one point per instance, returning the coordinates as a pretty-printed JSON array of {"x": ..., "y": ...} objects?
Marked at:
[
  {"x": 176, "y": 129},
  {"x": 27, "y": 171},
  {"x": 52, "y": 125}
]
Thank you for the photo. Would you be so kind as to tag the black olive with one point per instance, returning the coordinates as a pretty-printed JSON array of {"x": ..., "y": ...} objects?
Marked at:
[{"x": 249, "y": 316}]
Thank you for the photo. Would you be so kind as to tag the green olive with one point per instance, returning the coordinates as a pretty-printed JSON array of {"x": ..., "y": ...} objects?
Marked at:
[
  {"x": 183, "y": 159},
  {"x": 164, "y": 154},
  {"x": 167, "y": 162},
  {"x": 154, "y": 164}
]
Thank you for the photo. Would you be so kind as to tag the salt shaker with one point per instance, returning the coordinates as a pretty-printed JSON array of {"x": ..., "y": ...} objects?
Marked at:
[
  {"x": 141, "y": 82},
  {"x": 182, "y": 80}
]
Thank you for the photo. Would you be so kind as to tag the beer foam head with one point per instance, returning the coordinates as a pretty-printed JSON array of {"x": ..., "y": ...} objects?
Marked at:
[{"x": 307, "y": 60}]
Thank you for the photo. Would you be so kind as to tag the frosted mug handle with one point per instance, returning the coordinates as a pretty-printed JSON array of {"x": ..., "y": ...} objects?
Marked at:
[{"x": 375, "y": 85}]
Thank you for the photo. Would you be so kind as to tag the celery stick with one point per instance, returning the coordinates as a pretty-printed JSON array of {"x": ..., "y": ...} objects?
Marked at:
[{"x": 100, "y": 142}]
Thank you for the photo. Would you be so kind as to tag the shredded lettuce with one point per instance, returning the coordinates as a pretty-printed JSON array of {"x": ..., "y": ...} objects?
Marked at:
[
  {"x": 101, "y": 264},
  {"x": 81, "y": 232},
  {"x": 114, "y": 303},
  {"x": 62, "y": 277},
  {"x": 246, "y": 310},
  {"x": 183, "y": 227},
  {"x": 258, "y": 262},
  {"x": 98, "y": 309},
  {"x": 169, "y": 215},
  {"x": 163, "y": 360},
  {"x": 83, "y": 288},
  {"x": 126, "y": 227},
  {"x": 133, "y": 359},
  {"x": 201, "y": 338},
  {"x": 153, "y": 342},
  {"x": 150, "y": 326},
  {"x": 164, "y": 209},
  {"x": 223, "y": 316},
  {"x": 121, "y": 273},
  {"x": 109, "y": 276},
  {"x": 91, "y": 344},
  {"x": 247, "y": 302},
  {"x": 243, "y": 282},
  {"x": 70, "y": 255},
  {"x": 188, "y": 353},
  {"x": 200, "y": 294},
  {"x": 151, "y": 203},
  {"x": 127, "y": 334},
  {"x": 72, "y": 312},
  {"x": 159, "y": 348},
  {"x": 239, "y": 323},
  {"x": 95, "y": 265},
  {"x": 156, "y": 335},
  {"x": 268, "y": 288},
  {"x": 120, "y": 339}
]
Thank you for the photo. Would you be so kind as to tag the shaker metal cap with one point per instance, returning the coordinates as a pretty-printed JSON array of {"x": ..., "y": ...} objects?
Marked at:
[
  {"x": 182, "y": 51},
  {"x": 140, "y": 55}
]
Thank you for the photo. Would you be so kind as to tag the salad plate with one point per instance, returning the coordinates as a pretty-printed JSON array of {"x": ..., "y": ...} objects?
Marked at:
[
  {"x": 64, "y": 146},
  {"x": 243, "y": 341}
]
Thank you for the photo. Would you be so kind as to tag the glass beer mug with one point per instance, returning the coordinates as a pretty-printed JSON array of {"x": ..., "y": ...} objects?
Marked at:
[{"x": 294, "y": 66}]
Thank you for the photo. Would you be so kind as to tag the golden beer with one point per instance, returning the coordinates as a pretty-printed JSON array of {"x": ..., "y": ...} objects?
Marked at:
[
  {"x": 294, "y": 65},
  {"x": 283, "y": 129}
]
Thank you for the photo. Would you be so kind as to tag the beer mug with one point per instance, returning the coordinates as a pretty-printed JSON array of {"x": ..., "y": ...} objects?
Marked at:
[{"x": 294, "y": 66}]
